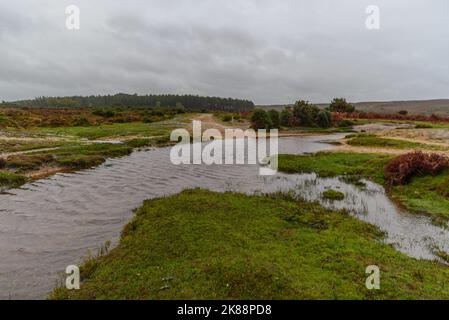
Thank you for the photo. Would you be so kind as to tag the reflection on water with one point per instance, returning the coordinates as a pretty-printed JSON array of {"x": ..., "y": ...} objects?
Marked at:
[{"x": 52, "y": 223}]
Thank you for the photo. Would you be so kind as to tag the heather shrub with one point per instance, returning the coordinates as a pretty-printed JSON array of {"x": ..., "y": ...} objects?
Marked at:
[{"x": 401, "y": 169}]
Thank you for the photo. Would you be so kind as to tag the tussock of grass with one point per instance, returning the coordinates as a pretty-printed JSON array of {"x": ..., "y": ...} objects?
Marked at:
[
  {"x": 11, "y": 180},
  {"x": 204, "y": 245},
  {"x": 333, "y": 195}
]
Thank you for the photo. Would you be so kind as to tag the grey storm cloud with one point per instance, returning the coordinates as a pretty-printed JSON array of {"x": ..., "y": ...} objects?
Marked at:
[{"x": 269, "y": 51}]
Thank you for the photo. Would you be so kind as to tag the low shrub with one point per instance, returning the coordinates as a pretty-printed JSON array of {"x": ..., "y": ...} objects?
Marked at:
[
  {"x": 106, "y": 113},
  {"x": 227, "y": 118},
  {"x": 401, "y": 169},
  {"x": 345, "y": 123}
]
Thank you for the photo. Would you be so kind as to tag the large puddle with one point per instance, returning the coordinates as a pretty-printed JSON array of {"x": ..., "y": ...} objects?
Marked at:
[{"x": 52, "y": 223}]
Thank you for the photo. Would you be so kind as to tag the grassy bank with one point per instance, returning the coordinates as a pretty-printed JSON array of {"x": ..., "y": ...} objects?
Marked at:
[
  {"x": 204, "y": 245},
  {"x": 11, "y": 180},
  {"x": 371, "y": 140},
  {"x": 115, "y": 130},
  {"x": 67, "y": 157},
  {"x": 425, "y": 194}
]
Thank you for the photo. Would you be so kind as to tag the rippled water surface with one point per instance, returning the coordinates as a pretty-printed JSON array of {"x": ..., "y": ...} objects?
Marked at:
[{"x": 52, "y": 223}]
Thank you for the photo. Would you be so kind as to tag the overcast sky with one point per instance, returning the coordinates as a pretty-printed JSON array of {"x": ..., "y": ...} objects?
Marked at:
[{"x": 269, "y": 51}]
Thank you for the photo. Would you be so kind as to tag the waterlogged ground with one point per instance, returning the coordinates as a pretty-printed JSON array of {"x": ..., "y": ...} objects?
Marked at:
[
  {"x": 412, "y": 234},
  {"x": 52, "y": 223}
]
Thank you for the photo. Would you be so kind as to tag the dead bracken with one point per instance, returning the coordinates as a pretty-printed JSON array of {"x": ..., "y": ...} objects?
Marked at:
[{"x": 401, "y": 169}]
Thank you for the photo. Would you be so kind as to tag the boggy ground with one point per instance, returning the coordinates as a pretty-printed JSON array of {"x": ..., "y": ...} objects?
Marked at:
[
  {"x": 424, "y": 194},
  {"x": 35, "y": 143},
  {"x": 204, "y": 245}
]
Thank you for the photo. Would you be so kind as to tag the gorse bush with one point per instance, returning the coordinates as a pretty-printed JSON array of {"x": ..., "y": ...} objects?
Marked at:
[
  {"x": 227, "y": 118},
  {"x": 260, "y": 120},
  {"x": 275, "y": 118},
  {"x": 341, "y": 105},
  {"x": 345, "y": 123},
  {"x": 324, "y": 119},
  {"x": 285, "y": 117},
  {"x": 107, "y": 113},
  {"x": 306, "y": 113},
  {"x": 401, "y": 169}
]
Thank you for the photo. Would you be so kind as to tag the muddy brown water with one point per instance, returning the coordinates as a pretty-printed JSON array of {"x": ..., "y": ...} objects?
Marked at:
[{"x": 52, "y": 223}]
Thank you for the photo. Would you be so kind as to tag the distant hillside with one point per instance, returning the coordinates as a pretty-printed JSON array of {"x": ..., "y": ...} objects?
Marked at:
[{"x": 424, "y": 107}]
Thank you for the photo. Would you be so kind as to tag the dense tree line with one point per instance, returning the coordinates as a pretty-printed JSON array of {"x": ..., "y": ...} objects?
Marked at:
[
  {"x": 189, "y": 102},
  {"x": 302, "y": 114}
]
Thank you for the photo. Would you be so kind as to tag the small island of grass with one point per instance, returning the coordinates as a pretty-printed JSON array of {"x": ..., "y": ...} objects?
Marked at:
[{"x": 333, "y": 195}]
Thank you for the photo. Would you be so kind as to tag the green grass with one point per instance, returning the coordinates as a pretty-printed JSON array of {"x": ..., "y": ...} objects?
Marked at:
[
  {"x": 337, "y": 164},
  {"x": 424, "y": 194},
  {"x": 11, "y": 180},
  {"x": 428, "y": 194},
  {"x": 333, "y": 195},
  {"x": 24, "y": 145},
  {"x": 371, "y": 140},
  {"x": 204, "y": 245},
  {"x": 430, "y": 125},
  {"x": 418, "y": 124},
  {"x": 112, "y": 130},
  {"x": 86, "y": 156}
]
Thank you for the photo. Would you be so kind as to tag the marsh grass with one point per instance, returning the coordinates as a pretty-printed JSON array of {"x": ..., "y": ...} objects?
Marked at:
[{"x": 204, "y": 245}]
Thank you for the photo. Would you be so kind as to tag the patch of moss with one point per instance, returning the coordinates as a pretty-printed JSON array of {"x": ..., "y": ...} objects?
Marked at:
[{"x": 333, "y": 195}]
